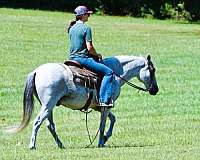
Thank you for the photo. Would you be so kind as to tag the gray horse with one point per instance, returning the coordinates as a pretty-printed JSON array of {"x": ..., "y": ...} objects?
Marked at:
[{"x": 53, "y": 82}]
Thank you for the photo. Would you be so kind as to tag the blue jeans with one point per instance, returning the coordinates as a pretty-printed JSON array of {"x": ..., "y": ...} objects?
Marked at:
[{"x": 105, "y": 94}]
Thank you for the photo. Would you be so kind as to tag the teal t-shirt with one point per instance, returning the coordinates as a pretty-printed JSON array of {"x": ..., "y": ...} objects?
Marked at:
[{"x": 79, "y": 34}]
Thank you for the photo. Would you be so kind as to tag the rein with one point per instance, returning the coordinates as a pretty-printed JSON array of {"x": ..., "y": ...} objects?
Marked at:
[
  {"x": 86, "y": 120},
  {"x": 91, "y": 141},
  {"x": 131, "y": 84}
]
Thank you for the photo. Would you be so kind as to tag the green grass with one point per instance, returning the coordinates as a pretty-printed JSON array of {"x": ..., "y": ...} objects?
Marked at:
[{"x": 166, "y": 126}]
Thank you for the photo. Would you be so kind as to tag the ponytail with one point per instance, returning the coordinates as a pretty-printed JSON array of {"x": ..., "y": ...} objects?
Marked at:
[
  {"x": 73, "y": 22},
  {"x": 70, "y": 25}
]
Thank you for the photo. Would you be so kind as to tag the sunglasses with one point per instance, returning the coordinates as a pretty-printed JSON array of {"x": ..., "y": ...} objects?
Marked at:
[{"x": 88, "y": 14}]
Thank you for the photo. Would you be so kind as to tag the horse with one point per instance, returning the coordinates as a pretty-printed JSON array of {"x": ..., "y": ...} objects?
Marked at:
[{"x": 54, "y": 82}]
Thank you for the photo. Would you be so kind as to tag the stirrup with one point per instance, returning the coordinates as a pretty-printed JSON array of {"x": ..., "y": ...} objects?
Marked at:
[
  {"x": 86, "y": 111},
  {"x": 111, "y": 105}
]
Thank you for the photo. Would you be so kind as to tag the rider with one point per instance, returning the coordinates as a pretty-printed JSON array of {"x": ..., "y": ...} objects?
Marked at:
[{"x": 83, "y": 51}]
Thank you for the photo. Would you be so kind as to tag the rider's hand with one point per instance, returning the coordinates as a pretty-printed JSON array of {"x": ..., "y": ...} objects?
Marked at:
[{"x": 99, "y": 56}]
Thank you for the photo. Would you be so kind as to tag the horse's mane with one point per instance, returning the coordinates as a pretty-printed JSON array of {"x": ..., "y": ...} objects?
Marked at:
[
  {"x": 117, "y": 62},
  {"x": 123, "y": 59}
]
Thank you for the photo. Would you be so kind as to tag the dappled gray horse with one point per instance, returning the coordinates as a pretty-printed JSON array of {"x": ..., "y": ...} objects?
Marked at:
[{"x": 52, "y": 83}]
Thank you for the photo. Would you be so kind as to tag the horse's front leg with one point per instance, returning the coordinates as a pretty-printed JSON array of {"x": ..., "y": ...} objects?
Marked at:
[
  {"x": 104, "y": 114},
  {"x": 51, "y": 127},
  {"x": 112, "y": 118}
]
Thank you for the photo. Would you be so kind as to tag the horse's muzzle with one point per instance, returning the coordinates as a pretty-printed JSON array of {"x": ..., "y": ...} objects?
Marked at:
[{"x": 153, "y": 90}]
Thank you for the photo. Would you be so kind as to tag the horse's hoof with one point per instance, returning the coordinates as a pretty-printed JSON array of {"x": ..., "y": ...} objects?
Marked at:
[
  {"x": 61, "y": 147},
  {"x": 101, "y": 145},
  {"x": 105, "y": 139},
  {"x": 32, "y": 148}
]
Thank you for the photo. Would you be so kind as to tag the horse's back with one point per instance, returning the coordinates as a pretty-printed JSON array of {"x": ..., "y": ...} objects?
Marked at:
[
  {"x": 53, "y": 70},
  {"x": 49, "y": 67},
  {"x": 53, "y": 80}
]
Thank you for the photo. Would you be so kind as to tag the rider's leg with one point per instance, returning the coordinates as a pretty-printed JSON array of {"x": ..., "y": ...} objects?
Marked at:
[{"x": 105, "y": 95}]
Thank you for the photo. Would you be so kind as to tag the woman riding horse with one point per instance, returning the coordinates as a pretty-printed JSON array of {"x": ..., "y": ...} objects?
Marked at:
[
  {"x": 54, "y": 82},
  {"x": 83, "y": 51}
]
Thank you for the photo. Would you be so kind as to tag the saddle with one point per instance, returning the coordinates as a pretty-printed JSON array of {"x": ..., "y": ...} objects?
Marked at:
[{"x": 83, "y": 76}]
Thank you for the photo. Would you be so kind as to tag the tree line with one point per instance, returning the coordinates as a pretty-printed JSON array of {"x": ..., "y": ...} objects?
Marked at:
[{"x": 161, "y": 9}]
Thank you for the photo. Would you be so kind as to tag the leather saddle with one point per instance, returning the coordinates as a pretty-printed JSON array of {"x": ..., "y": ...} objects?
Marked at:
[{"x": 83, "y": 76}]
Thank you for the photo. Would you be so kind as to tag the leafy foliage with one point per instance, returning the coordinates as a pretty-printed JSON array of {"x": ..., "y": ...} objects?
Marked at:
[
  {"x": 178, "y": 12},
  {"x": 176, "y": 9}
]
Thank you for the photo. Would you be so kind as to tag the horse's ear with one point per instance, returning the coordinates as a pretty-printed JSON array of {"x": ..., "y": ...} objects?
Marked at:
[{"x": 148, "y": 57}]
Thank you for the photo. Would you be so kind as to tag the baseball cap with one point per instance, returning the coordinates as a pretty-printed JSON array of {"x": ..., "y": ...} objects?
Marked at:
[{"x": 81, "y": 10}]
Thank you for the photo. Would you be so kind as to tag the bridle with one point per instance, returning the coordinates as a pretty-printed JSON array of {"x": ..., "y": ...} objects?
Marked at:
[
  {"x": 129, "y": 83},
  {"x": 152, "y": 73}
]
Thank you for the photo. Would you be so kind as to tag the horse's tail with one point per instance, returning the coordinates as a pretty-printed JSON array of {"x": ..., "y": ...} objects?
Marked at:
[{"x": 28, "y": 103}]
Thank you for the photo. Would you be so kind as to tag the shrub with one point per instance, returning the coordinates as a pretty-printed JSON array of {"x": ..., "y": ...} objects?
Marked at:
[{"x": 178, "y": 12}]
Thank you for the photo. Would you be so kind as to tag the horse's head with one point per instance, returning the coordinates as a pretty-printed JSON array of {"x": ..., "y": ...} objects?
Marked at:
[{"x": 147, "y": 76}]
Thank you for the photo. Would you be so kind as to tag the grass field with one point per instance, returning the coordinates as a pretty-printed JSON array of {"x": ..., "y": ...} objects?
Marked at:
[{"x": 166, "y": 126}]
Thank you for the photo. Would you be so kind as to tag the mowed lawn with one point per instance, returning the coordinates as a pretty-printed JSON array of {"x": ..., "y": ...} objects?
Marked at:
[{"x": 165, "y": 126}]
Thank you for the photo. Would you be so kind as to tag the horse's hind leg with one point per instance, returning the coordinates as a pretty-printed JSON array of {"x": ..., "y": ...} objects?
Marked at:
[
  {"x": 36, "y": 125},
  {"x": 51, "y": 127}
]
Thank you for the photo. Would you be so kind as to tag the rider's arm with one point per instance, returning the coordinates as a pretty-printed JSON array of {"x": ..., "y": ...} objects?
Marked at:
[
  {"x": 89, "y": 44},
  {"x": 92, "y": 50}
]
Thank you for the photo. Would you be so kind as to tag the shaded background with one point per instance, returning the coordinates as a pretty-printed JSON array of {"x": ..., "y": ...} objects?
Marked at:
[{"x": 161, "y": 9}]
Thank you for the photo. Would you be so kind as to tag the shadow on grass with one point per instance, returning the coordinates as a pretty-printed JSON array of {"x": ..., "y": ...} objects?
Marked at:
[
  {"x": 128, "y": 146},
  {"x": 113, "y": 146},
  {"x": 186, "y": 22}
]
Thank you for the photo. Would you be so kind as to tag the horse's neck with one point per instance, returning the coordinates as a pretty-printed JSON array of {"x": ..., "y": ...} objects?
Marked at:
[{"x": 126, "y": 66}]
